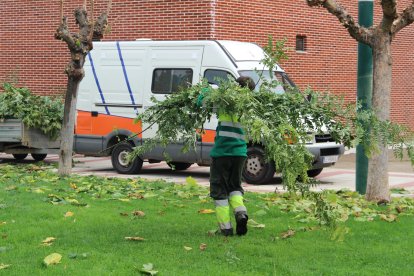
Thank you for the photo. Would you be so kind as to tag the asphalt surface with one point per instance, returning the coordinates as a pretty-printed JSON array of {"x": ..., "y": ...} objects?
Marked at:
[{"x": 340, "y": 176}]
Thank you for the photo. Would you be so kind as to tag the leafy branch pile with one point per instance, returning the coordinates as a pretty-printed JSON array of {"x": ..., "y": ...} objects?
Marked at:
[
  {"x": 281, "y": 123},
  {"x": 40, "y": 112}
]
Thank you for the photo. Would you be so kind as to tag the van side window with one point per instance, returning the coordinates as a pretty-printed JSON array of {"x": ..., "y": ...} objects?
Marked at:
[
  {"x": 213, "y": 76},
  {"x": 167, "y": 81}
]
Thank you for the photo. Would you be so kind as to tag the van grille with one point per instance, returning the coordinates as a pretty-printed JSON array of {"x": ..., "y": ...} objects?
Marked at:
[{"x": 323, "y": 138}]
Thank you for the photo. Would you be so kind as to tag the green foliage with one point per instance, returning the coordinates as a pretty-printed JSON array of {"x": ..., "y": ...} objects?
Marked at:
[
  {"x": 40, "y": 112},
  {"x": 92, "y": 240},
  {"x": 283, "y": 123}
]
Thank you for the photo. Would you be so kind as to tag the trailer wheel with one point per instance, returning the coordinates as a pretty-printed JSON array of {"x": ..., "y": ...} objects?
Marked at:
[
  {"x": 19, "y": 156},
  {"x": 120, "y": 161},
  {"x": 179, "y": 166},
  {"x": 256, "y": 169},
  {"x": 38, "y": 156}
]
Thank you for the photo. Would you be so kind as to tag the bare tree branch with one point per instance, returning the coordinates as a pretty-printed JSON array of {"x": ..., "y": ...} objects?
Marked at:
[
  {"x": 404, "y": 19},
  {"x": 389, "y": 11},
  {"x": 63, "y": 33},
  {"x": 358, "y": 32}
]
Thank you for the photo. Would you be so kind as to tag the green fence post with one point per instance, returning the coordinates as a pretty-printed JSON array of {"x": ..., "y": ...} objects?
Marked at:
[{"x": 364, "y": 89}]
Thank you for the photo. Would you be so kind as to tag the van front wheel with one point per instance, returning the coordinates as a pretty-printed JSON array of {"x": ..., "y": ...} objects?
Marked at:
[
  {"x": 256, "y": 169},
  {"x": 120, "y": 160}
]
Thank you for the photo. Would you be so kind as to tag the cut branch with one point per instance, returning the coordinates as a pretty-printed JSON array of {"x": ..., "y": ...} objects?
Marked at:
[
  {"x": 404, "y": 19},
  {"x": 389, "y": 11},
  {"x": 358, "y": 32}
]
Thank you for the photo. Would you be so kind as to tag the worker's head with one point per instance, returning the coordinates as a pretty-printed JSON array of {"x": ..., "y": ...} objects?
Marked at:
[{"x": 246, "y": 82}]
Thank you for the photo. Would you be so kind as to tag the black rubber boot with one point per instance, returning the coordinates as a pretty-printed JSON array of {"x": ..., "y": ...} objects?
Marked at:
[
  {"x": 241, "y": 220},
  {"x": 227, "y": 232}
]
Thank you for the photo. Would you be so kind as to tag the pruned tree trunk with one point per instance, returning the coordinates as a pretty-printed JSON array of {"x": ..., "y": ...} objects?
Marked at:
[
  {"x": 379, "y": 38},
  {"x": 79, "y": 45},
  {"x": 377, "y": 184}
]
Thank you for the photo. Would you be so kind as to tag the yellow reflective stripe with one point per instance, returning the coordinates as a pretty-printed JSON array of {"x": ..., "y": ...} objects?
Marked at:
[
  {"x": 224, "y": 117},
  {"x": 236, "y": 201},
  {"x": 223, "y": 214}
]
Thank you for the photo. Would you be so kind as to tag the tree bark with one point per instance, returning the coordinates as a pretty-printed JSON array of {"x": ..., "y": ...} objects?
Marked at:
[
  {"x": 79, "y": 45},
  {"x": 377, "y": 185},
  {"x": 68, "y": 125}
]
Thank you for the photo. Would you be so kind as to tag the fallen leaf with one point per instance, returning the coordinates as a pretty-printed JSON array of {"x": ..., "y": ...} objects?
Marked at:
[
  {"x": 48, "y": 241},
  {"x": 289, "y": 233},
  {"x": 255, "y": 224},
  {"x": 148, "y": 269},
  {"x": 52, "y": 259},
  {"x": 206, "y": 211},
  {"x": 339, "y": 233},
  {"x": 212, "y": 233},
  {"x": 2, "y": 222},
  {"x": 134, "y": 239},
  {"x": 69, "y": 214},
  {"x": 187, "y": 248},
  {"x": 203, "y": 246},
  {"x": 138, "y": 213},
  {"x": 4, "y": 266},
  {"x": 389, "y": 218}
]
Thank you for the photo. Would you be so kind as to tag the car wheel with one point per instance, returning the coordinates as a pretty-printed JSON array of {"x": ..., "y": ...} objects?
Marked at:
[
  {"x": 314, "y": 172},
  {"x": 20, "y": 156},
  {"x": 38, "y": 157},
  {"x": 120, "y": 161},
  {"x": 256, "y": 169},
  {"x": 179, "y": 166}
]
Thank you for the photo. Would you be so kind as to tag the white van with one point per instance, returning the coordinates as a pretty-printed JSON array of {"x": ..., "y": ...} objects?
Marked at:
[{"x": 121, "y": 77}]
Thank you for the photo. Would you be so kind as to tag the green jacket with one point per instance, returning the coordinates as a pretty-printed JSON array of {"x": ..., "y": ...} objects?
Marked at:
[{"x": 230, "y": 139}]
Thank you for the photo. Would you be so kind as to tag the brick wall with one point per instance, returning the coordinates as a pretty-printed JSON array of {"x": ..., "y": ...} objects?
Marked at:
[{"x": 29, "y": 51}]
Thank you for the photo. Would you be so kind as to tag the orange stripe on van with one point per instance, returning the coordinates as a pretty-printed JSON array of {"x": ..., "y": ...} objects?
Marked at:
[
  {"x": 104, "y": 124},
  {"x": 208, "y": 136}
]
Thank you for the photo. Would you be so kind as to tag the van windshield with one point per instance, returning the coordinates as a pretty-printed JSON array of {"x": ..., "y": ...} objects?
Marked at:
[{"x": 258, "y": 76}]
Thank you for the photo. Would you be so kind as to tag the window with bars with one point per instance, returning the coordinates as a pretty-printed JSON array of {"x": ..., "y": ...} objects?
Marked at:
[{"x": 301, "y": 43}]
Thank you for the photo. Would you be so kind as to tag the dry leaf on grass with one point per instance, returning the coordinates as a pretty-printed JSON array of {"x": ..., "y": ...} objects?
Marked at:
[
  {"x": 52, "y": 259},
  {"x": 134, "y": 239},
  {"x": 206, "y": 211}
]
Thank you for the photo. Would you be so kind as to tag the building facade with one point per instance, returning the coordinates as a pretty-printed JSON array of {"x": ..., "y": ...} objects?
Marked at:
[{"x": 321, "y": 52}]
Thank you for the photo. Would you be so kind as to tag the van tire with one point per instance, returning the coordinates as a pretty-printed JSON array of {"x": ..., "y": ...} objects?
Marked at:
[
  {"x": 256, "y": 169},
  {"x": 38, "y": 156},
  {"x": 179, "y": 166},
  {"x": 119, "y": 162},
  {"x": 314, "y": 172},
  {"x": 20, "y": 156}
]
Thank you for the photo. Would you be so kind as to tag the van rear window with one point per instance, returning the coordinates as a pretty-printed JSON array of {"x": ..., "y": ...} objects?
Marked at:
[{"x": 167, "y": 81}]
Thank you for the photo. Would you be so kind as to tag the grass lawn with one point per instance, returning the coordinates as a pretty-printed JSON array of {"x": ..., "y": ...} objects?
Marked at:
[{"x": 90, "y": 218}]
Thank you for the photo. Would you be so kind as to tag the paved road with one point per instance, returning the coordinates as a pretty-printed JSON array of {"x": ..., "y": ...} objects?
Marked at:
[{"x": 342, "y": 175}]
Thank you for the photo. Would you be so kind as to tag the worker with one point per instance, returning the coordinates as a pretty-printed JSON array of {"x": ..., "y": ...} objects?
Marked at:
[{"x": 228, "y": 155}]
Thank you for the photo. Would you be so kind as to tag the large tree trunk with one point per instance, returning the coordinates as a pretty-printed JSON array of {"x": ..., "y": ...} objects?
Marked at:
[
  {"x": 377, "y": 187},
  {"x": 79, "y": 45},
  {"x": 68, "y": 126}
]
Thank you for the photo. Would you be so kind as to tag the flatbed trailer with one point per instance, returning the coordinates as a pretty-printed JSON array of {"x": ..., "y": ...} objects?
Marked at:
[{"x": 19, "y": 140}]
